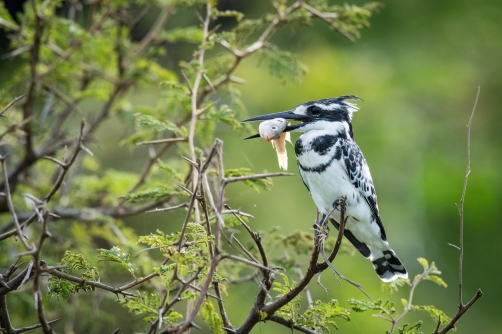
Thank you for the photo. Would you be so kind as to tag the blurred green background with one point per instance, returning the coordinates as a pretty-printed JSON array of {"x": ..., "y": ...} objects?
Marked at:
[{"x": 417, "y": 68}]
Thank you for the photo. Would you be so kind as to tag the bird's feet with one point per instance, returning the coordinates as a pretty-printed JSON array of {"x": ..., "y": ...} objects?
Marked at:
[{"x": 336, "y": 205}]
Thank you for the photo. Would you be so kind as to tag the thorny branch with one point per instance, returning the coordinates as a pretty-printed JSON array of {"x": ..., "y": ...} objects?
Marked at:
[{"x": 462, "y": 308}]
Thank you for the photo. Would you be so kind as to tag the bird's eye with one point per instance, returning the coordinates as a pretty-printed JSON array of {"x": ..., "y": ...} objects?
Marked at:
[
  {"x": 315, "y": 110},
  {"x": 274, "y": 127}
]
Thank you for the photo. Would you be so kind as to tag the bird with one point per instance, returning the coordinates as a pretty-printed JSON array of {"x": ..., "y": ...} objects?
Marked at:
[{"x": 332, "y": 165}]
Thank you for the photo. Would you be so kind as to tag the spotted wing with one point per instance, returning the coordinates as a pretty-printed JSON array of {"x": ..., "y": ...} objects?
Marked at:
[{"x": 359, "y": 175}]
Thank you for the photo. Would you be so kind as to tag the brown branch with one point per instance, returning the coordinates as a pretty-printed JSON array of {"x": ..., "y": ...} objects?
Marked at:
[
  {"x": 16, "y": 282},
  {"x": 154, "y": 31},
  {"x": 460, "y": 313},
  {"x": 260, "y": 308},
  {"x": 257, "y": 239},
  {"x": 246, "y": 261},
  {"x": 29, "y": 328},
  {"x": 10, "y": 204},
  {"x": 65, "y": 166},
  {"x": 26, "y": 223},
  {"x": 11, "y": 104},
  {"x": 175, "y": 300},
  {"x": 96, "y": 284},
  {"x": 223, "y": 313},
  {"x": 36, "y": 279},
  {"x": 462, "y": 308},
  {"x": 290, "y": 324},
  {"x": 30, "y": 94},
  {"x": 161, "y": 141},
  {"x": 260, "y": 43},
  {"x": 255, "y": 176}
]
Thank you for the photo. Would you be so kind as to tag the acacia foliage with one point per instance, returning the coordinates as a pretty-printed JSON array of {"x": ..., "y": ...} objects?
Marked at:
[{"x": 62, "y": 212}]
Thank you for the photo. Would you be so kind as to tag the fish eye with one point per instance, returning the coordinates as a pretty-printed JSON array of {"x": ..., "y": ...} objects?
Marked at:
[{"x": 274, "y": 127}]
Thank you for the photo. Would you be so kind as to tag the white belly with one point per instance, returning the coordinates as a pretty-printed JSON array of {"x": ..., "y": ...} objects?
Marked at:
[{"x": 330, "y": 185}]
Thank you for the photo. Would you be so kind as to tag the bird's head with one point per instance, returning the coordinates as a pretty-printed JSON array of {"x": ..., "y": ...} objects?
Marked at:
[{"x": 323, "y": 114}]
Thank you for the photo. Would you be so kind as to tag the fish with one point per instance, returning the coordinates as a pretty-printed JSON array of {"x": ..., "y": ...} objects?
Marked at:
[{"x": 272, "y": 131}]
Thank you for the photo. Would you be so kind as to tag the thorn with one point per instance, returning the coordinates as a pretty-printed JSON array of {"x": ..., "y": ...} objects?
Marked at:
[{"x": 193, "y": 163}]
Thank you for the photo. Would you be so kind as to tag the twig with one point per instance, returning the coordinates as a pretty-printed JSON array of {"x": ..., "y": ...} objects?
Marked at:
[
  {"x": 246, "y": 252},
  {"x": 257, "y": 239},
  {"x": 462, "y": 308},
  {"x": 251, "y": 263},
  {"x": 223, "y": 313},
  {"x": 255, "y": 176},
  {"x": 462, "y": 199},
  {"x": 290, "y": 324},
  {"x": 182, "y": 205},
  {"x": 341, "y": 230},
  {"x": 154, "y": 31},
  {"x": 161, "y": 141},
  {"x": 29, "y": 328},
  {"x": 408, "y": 307},
  {"x": 11, "y": 205},
  {"x": 461, "y": 311},
  {"x": 96, "y": 284},
  {"x": 177, "y": 298},
  {"x": 11, "y": 103}
]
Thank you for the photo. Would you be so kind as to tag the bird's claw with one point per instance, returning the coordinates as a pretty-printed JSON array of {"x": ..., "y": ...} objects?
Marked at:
[{"x": 336, "y": 205}]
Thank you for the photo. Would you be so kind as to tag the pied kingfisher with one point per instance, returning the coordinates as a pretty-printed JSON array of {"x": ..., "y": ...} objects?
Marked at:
[{"x": 331, "y": 165}]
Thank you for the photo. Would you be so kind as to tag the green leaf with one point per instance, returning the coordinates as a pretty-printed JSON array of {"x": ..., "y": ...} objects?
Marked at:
[
  {"x": 115, "y": 255},
  {"x": 211, "y": 317},
  {"x": 155, "y": 193},
  {"x": 230, "y": 13},
  {"x": 381, "y": 305},
  {"x": 191, "y": 34},
  {"x": 265, "y": 183},
  {"x": 283, "y": 64},
  {"x": 436, "y": 279},
  {"x": 165, "y": 167},
  {"x": 60, "y": 288},
  {"x": 147, "y": 304},
  {"x": 407, "y": 329},
  {"x": 226, "y": 115},
  {"x": 394, "y": 286},
  {"x": 436, "y": 314},
  {"x": 77, "y": 262},
  {"x": 320, "y": 315},
  {"x": 423, "y": 262},
  {"x": 160, "y": 126},
  {"x": 290, "y": 311}
]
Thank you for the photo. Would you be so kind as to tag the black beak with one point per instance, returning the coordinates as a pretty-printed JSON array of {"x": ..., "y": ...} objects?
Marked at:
[{"x": 284, "y": 114}]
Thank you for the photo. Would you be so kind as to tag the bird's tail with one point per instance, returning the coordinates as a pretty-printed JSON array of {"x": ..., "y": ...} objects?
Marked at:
[
  {"x": 388, "y": 266},
  {"x": 386, "y": 263}
]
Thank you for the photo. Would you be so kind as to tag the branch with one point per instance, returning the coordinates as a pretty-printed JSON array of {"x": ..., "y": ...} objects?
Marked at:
[
  {"x": 462, "y": 199},
  {"x": 96, "y": 284},
  {"x": 290, "y": 324},
  {"x": 461, "y": 307},
  {"x": 65, "y": 166},
  {"x": 255, "y": 176},
  {"x": 11, "y": 104},
  {"x": 10, "y": 204},
  {"x": 461, "y": 311},
  {"x": 154, "y": 31}
]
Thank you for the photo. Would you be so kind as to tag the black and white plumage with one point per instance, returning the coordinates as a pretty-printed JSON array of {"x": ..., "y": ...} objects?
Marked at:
[{"x": 332, "y": 165}]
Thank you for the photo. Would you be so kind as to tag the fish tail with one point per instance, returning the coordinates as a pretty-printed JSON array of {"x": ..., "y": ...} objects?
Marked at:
[{"x": 282, "y": 155}]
